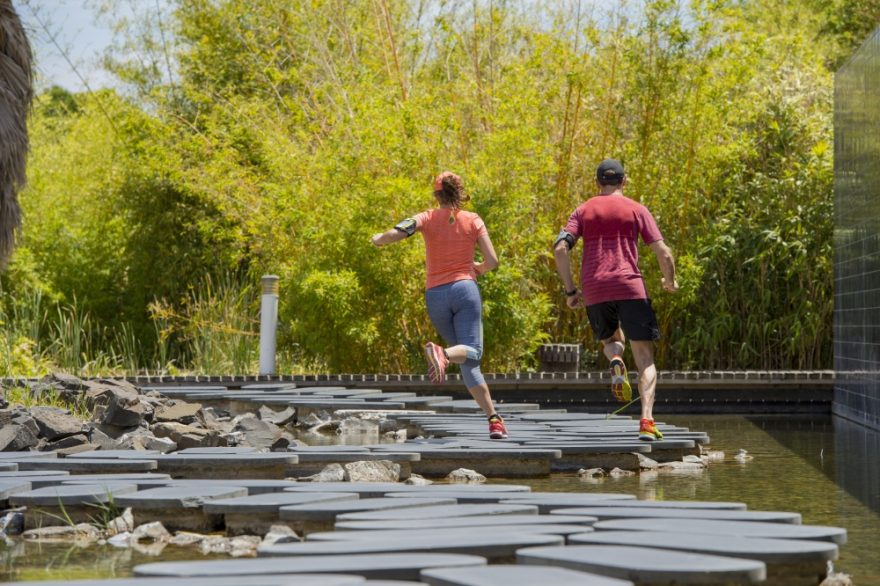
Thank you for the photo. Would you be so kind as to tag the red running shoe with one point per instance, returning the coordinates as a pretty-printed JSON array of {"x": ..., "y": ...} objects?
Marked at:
[
  {"x": 648, "y": 431},
  {"x": 497, "y": 429},
  {"x": 437, "y": 362}
]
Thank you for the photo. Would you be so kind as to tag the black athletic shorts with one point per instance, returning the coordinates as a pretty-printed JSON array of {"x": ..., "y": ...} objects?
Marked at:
[{"x": 635, "y": 316}]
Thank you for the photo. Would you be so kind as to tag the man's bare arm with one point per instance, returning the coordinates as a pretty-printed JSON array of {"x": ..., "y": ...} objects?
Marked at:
[{"x": 667, "y": 265}]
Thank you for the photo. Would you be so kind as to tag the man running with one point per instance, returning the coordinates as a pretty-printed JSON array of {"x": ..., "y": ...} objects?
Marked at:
[{"x": 614, "y": 291}]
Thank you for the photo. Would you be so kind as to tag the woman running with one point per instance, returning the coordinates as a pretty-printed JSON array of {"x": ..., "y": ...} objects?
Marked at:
[{"x": 452, "y": 295}]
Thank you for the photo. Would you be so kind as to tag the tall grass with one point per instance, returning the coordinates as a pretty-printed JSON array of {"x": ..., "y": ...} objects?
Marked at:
[{"x": 214, "y": 329}]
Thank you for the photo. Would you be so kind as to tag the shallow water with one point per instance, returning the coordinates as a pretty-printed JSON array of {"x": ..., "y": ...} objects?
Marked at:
[{"x": 824, "y": 468}]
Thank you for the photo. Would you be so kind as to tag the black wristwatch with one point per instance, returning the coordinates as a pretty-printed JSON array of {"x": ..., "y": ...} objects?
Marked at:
[{"x": 572, "y": 292}]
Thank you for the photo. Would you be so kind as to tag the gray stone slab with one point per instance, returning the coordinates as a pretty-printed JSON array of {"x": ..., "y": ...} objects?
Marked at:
[
  {"x": 516, "y": 575},
  {"x": 227, "y": 466},
  {"x": 393, "y": 396},
  {"x": 87, "y": 465},
  {"x": 215, "y": 459},
  {"x": 44, "y": 481},
  {"x": 14, "y": 456},
  {"x": 392, "y": 583},
  {"x": 340, "y": 456},
  {"x": 545, "y": 417},
  {"x": 342, "y": 393},
  {"x": 330, "y": 511},
  {"x": 219, "y": 450},
  {"x": 438, "y": 511},
  {"x": 732, "y": 528},
  {"x": 272, "y": 502},
  {"x": 253, "y": 580},
  {"x": 515, "y": 490},
  {"x": 470, "y": 406},
  {"x": 78, "y": 494},
  {"x": 769, "y": 551},
  {"x": 478, "y": 521},
  {"x": 378, "y": 566},
  {"x": 556, "y": 501},
  {"x": 332, "y": 448},
  {"x": 141, "y": 484},
  {"x": 178, "y": 497},
  {"x": 10, "y": 486},
  {"x": 647, "y": 566},
  {"x": 28, "y": 473},
  {"x": 608, "y": 513},
  {"x": 254, "y": 486},
  {"x": 319, "y": 389},
  {"x": 269, "y": 387},
  {"x": 117, "y": 454},
  {"x": 510, "y": 463},
  {"x": 143, "y": 480},
  {"x": 364, "y": 489},
  {"x": 574, "y": 449},
  {"x": 546, "y": 502},
  {"x": 497, "y": 546},
  {"x": 427, "y": 401},
  {"x": 487, "y": 531},
  {"x": 8, "y": 466},
  {"x": 460, "y": 497}
]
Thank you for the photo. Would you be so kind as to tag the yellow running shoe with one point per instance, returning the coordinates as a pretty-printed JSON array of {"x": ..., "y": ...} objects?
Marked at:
[
  {"x": 620, "y": 386},
  {"x": 648, "y": 431}
]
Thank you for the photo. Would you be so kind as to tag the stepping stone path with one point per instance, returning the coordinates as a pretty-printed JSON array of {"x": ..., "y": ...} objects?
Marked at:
[
  {"x": 400, "y": 566},
  {"x": 733, "y": 528},
  {"x": 515, "y": 575},
  {"x": 493, "y": 547},
  {"x": 647, "y": 565},
  {"x": 374, "y": 533},
  {"x": 785, "y": 556}
]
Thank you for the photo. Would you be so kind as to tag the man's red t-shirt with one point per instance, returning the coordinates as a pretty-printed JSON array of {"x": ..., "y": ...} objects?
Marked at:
[{"x": 610, "y": 226}]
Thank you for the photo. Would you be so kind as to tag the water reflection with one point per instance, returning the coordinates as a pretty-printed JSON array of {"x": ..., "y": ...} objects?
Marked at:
[{"x": 797, "y": 464}]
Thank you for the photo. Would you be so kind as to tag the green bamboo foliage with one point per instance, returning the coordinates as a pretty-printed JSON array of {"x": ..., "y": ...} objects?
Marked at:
[{"x": 259, "y": 136}]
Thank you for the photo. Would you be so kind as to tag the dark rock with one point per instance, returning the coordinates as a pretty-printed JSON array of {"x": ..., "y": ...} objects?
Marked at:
[
  {"x": 25, "y": 419},
  {"x": 258, "y": 434},
  {"x": 54, "y": 423},
  {"x": 12, "y": 523},
  {"x": 216, "y": 420},
  {"x": 282, "y": 443},
  {"x": 70, "y": 441},
  {"x": 104, "y": 441},
  {"x": 3, "y": 402},
  {"x": 116, "y": 432},
  {"x": 17, "y": 438},
  {"x": 188, "y": 436},
  {"x": 62, "y": 380},
  {"x": 277, "y": 417},
  {"x": 124, "y": 408}
]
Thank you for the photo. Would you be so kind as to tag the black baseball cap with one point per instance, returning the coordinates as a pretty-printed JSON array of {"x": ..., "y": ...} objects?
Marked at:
[{"x": 610, "y": 172}]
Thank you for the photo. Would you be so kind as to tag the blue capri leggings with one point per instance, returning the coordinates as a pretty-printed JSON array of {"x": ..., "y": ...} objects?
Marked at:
[{"x": 456, "y": 311}]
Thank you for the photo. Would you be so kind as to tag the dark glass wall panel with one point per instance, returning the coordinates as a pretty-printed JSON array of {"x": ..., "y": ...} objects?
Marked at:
[{"x": 857, "y": 235}]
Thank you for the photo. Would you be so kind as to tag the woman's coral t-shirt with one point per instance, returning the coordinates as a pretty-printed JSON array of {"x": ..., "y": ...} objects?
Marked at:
[{"x": 449, "y": 245}]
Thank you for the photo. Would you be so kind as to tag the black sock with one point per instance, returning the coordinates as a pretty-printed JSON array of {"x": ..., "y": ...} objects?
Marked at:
[{"x": 494, "y": 416}]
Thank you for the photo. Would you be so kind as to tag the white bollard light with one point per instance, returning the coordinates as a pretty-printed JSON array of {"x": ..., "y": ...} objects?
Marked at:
[{"x": 268, "y": 324}]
